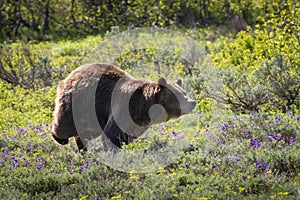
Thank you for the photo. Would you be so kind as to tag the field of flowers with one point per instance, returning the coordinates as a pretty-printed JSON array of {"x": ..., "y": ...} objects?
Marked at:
[
  {"x": 242, "y": 141},
  {"x": 244, "y": 156}
]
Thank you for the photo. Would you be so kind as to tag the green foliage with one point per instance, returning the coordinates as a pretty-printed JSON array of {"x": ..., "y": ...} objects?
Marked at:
[
  {"x": 34, "y": 66},
  {"x": 21, "y": 107},
  {"x": 260, "y": 69},
  {"x": 46, "y": 20}
]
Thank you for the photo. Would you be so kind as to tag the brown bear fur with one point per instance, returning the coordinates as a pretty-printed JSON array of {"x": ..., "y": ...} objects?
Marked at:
[{"x": 109, "y": 80}]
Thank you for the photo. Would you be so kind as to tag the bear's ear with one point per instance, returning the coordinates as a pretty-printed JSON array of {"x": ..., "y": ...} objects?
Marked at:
[
  {"x": 179, "y": 82},
  {"x": 162, "y": 81}
]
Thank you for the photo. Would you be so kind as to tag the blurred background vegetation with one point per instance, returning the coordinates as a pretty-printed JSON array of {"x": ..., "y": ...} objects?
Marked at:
[
  {"x": 253, "y": 46},
  {"x": 51, "y": 19}
]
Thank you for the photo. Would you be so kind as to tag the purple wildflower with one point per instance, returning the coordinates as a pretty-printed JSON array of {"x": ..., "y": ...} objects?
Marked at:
[
  {"x": 270, "y": 138},
  {"x": 44, "y": 135},
  {"x": 247, "y": 133},
  {"x": 238, "y": 118},
  {"x": 5, "y": 152},
  {"x": 185, "y": 165},
  {"x": 28, "y": 147},
  {"x": 27, "y": 164},
  {"x": 174, "y": 134},
  {"x": 22, "y": 131},
  {"x": 223, "y": 127},
  {"x": 298, "y": 119},
  {"x": 277, "y": 136},
  {"x": 72, "y": 165},
  {"x": 284, "y": 163},
  {"x": 261, "y": 165},
  {"x": 256, "y": 143},
  {"x": 40, "y": 166},
  {"x": 265, "y": 168},
  {"x": 220, "y": 141},
  {"x": 257, "y": 164},
  {"x": 1, "y": 160},
  {"x": 161, "y": 127},
  {"x": 207, "y": 133},
  {"x": 181, "y": 136},
  {"x": 14, "y": 159},
  {"x": 236, "y": 158},
  {"x": 292, "y": 141},
  {"x": 11, "y": 166},
  {"x": 54, "y": 170}
]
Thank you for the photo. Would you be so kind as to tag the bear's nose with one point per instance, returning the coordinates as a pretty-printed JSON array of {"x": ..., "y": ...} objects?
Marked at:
[{"x": 193, "y": 103}]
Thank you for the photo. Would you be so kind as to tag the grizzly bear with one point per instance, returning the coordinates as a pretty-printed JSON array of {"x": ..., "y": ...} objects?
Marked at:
[{"x": 101, "y": 99}]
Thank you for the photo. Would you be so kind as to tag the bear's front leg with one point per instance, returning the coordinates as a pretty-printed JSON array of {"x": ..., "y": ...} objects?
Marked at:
[
  {"x": 80, "y": 144},
  {"x": 111, "y": 135},
  {"x": 114, "y": 136}
]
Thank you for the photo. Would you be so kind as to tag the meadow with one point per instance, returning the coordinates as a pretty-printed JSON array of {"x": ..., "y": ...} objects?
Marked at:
[{"x": 242, "y": 140}]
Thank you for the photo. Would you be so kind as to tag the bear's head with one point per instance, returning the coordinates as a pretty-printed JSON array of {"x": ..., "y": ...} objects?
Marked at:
[{"x": 173, "y": 98}]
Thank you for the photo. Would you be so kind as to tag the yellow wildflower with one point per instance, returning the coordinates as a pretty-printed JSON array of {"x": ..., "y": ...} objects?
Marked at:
[
  {"x": 241, "y": 189},
  {"x": 172, "y": 174},
  {"x": 134, "y": 177},
  {"x": 160, "y": 170},
  {"x": 227, "y": 187},
  {"x": 201, "y": 198},
  {"x": 116, "y": 197},
  {"x": 283, "y": 193},
  {"x": 84, "y": 197}
]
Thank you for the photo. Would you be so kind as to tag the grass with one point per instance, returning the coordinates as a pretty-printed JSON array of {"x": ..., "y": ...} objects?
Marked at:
[{"x": 236, "y": 160}]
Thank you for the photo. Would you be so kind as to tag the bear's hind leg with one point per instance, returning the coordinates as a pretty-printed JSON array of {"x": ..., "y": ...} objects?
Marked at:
[{"x": 59, "y": 140}]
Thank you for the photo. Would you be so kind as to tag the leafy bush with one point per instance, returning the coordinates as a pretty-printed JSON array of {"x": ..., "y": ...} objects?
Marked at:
[{"x": 260, "y": 69}]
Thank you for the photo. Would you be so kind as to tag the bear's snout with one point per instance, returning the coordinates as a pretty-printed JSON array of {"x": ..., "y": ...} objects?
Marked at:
[{"x": 188, "y": 106}]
